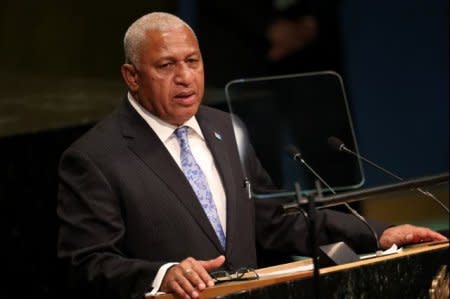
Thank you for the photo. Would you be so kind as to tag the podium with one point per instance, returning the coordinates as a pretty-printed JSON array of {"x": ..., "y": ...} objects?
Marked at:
[{"x": 406, "y": 274}]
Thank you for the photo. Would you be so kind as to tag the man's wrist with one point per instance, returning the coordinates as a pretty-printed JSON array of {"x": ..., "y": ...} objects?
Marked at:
[{"x": 157, "y": 281}]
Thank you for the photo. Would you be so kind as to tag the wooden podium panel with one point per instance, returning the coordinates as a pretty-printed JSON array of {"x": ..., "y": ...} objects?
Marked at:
[{"x": 407, "y": 274}]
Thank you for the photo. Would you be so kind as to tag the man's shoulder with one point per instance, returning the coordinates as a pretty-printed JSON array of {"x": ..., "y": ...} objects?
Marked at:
[
  {"x": 218, "y": 117},
  {"x": 104, "y": 133},
  {"x": 213, "y": 111},
  {"x": 213, "y": 114}
]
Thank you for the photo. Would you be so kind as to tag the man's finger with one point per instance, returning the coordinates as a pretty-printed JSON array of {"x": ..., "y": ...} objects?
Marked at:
[
  {"x": 175, "y": 287},
  {"x": 187, "y": 286},
  {"x": 175, "y": 281},
  {"x": 426, "y": 234},
  {"x": 196, "y": 275},
  {"x": 209, "y": 266},
  {"x": 213, "y": 264}
]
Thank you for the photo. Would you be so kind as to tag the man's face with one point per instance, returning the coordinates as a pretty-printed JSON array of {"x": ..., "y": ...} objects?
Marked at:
[{"x": 169, "y": 77}]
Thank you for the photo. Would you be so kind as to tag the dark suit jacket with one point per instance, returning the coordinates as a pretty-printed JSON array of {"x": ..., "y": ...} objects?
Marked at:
[{"x": 126, "y": 208}]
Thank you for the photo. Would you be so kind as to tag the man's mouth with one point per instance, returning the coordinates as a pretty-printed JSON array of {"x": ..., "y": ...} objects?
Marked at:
[{"x": 185, "y": 98}]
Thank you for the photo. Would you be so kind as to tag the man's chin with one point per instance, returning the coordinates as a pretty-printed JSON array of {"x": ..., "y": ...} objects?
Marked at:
[{"x": 185, "y": 114}]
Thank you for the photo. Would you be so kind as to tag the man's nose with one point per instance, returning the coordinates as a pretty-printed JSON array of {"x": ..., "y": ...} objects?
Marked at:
[{"x": 183, "y": 74}]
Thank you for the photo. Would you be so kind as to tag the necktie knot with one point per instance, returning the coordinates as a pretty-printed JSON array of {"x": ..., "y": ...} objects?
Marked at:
[
  {"x": 182, "y": 137},
  {"x": 181, "y": 133}
]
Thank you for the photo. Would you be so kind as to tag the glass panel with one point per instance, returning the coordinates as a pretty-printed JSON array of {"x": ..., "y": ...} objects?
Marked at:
[{"x": 303, "y": 110}]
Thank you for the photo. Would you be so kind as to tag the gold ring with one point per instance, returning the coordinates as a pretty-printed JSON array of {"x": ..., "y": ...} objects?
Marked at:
[{"x": 188, "y": 270}]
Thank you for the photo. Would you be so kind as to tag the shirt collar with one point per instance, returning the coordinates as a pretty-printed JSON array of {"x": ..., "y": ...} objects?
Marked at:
[{"x": 163, "y": 129}]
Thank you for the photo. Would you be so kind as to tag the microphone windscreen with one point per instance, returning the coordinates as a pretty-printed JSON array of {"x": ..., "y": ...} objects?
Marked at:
[
  {"x": 292, "y": 151},
  {"x": 335, "y": 143}
]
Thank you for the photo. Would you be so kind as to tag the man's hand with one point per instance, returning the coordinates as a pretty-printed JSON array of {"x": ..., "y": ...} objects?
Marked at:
[
  {"x": 408, "y": 234},
  {"x": 190, "y": 276}
]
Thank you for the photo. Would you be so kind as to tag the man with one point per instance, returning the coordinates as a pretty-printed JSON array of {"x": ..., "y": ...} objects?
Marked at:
[{"x": 136, "y": 211}]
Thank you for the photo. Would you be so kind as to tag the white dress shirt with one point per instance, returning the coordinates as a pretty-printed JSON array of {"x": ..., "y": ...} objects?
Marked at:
[{"x": 202, "y": 155}]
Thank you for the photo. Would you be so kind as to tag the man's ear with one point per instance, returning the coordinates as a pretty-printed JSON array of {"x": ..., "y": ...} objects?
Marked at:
[{"x": 131, "y": 76}]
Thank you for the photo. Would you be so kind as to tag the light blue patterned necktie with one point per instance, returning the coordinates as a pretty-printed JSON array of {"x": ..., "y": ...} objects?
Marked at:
[{"x": 198, "y": 181}]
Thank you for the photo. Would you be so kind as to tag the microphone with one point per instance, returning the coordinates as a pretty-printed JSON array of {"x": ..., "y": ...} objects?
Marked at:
[
  {"x": 295, "y": 154},
  {"x": 337, "y": 144}
]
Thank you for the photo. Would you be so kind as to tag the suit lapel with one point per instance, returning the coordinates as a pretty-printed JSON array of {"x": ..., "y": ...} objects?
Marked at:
[{"x": 143, "y": 141}]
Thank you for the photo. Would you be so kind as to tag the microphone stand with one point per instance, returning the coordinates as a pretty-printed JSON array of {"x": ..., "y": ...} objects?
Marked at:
[
  {"x": 313, "y": 239},
  {"x": 292, "y": 150},
  {"x": 310, "y": 218}
]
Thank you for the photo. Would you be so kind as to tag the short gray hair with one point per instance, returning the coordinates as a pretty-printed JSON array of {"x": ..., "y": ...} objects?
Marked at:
[{"x": 136, "y": 33}]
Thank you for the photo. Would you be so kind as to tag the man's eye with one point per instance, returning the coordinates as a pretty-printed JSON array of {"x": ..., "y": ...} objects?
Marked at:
[{"x": 165, "y": 65}]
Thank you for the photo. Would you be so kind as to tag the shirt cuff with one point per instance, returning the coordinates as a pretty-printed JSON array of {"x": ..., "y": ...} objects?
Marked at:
[{"x": 159, "y": 278}]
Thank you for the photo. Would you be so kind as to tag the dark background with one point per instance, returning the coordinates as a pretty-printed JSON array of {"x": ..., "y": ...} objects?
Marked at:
[{"x": 59, "y": 74}]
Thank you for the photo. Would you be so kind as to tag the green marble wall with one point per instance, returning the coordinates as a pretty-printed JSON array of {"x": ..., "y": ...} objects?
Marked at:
[{"x": 60, "y": 60}]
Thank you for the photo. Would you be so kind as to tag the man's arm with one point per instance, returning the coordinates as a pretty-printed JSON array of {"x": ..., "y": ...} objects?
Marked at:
[
  {"x": 91, "y": 233},
  {"x": 289, "y": 235}
]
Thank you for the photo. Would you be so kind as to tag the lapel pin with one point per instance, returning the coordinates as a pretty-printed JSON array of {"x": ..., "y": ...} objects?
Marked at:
[{"x": 218, "y": 136}]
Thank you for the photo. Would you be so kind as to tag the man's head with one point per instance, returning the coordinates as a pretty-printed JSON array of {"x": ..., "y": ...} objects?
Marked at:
[{"x": 163, "y": 67}]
